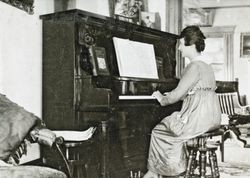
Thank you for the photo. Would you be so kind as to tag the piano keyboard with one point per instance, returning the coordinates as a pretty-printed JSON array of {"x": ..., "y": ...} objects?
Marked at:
[{"x": 136, "y": 97}]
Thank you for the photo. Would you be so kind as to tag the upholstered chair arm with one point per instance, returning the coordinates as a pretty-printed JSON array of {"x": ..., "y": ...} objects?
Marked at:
[
  {"x": 43, "y": 136},
  {"x": 247, "y": 106},
  {"x": 47, "y": 137},
  {"x": 245, "y": 110}
]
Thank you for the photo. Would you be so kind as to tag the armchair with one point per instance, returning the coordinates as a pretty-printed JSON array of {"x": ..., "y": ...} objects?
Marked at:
[
  {"x": 19, "y": 127},
  {"x": 229, "y": 98},
  {"x": 239, "y": 115},
  {"x": 43, "y": 136}
]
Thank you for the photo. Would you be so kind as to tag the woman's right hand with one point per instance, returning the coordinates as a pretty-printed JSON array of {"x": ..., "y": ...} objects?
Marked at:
[{"x": 157, "y": 95}]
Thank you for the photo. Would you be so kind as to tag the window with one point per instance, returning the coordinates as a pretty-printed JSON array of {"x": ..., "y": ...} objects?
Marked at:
[{"x": 219, "y": 45}]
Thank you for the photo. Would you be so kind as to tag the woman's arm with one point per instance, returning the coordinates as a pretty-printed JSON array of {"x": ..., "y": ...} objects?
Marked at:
[{"x": 189, "y": 79}]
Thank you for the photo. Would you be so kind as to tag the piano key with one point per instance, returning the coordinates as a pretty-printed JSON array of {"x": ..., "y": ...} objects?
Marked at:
[{"x": 136, "y": 97}]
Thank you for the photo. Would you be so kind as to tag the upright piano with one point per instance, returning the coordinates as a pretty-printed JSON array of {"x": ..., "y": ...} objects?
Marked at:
[{"x": 82, "y": 87}]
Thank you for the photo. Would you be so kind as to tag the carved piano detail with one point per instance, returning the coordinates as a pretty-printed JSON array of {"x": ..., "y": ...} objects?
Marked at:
[{"x": 82, "y": 87}]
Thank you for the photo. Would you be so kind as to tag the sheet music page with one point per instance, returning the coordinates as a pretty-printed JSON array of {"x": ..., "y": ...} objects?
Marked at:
[
  {"x": 135, "y": 59},
  {"x": 69, "y": 135}
]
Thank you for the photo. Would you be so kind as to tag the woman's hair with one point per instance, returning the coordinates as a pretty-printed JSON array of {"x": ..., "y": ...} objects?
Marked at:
[{"x": 193, "y": 35}]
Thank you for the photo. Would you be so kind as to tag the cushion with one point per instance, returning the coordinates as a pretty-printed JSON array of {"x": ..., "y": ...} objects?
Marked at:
[
  {"x": 30, "y": 172},
  {"x": 16, "y": 122}
]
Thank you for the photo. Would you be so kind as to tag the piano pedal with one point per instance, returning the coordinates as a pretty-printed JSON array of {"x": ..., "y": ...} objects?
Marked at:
[{"x": 136, "y": 174}]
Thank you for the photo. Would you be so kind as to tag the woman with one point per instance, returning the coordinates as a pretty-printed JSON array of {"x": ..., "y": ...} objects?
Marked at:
[{"x": 200, "y": 111}]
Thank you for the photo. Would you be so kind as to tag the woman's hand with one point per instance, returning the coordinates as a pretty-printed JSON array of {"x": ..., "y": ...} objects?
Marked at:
[
  {"x": 161, "y": 98},
  {"x": 157, "y": 95}
]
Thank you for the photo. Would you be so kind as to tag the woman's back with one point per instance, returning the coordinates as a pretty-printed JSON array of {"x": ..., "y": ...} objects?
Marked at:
[{"x": 203, "y": 110}]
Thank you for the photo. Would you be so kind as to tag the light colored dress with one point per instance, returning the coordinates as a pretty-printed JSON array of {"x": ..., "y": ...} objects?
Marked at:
[{"x": 200, "y": 113}]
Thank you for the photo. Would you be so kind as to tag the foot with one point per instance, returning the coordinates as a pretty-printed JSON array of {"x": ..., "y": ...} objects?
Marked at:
[{"x": 150, "y": 174}]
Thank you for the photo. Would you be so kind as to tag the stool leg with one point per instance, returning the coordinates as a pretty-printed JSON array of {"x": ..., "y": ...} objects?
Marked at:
[
  {"x": 71, "y": 168},
  {"x": 191, "y": 159},
  {"x": 212, "y": 163},
  {"x": 222, "y": 148},
  {"x": 194, "y": 163},
  {"x": 203, "y": 161},
  {"x": 79, "y": 171},
  {"x": 216, "y": 167},
  {"x": 86, "y": 168}
]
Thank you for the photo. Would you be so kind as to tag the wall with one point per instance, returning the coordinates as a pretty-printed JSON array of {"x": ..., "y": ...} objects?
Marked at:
[
  {"x": 96, "y": 6},
  {"x": 241, "y": 19},
  {"x": 160, "y": 8},
  {"x": 21, "y": 58},
  {"x": 102, "y": 7}
]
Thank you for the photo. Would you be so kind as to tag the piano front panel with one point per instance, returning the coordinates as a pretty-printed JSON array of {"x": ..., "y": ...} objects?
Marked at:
[
  {"x": 101, "y": 34},
  {"x": 84, "y": 98}
]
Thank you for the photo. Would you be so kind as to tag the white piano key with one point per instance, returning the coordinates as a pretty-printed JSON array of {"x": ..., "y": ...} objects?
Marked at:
[{"x": 136, "y": 97}]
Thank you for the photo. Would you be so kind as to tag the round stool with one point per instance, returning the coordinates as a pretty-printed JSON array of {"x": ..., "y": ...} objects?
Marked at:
[
  {"x": 200, "y": 145},
  {"x": 78, "y": 168}
]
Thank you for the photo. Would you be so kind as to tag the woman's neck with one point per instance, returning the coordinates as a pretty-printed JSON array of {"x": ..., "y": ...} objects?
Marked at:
[{"x": 194, "y": 56}]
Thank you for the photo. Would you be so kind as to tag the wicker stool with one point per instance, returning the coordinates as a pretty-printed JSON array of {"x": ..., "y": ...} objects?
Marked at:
[{"x": 199, "y": 145}]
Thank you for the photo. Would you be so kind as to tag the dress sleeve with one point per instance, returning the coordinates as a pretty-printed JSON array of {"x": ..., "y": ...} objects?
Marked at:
[{"x": 188, "y": 80}]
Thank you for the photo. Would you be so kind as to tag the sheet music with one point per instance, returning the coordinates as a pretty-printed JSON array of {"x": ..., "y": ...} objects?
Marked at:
[
  {"x": 70, "y": 135},
  {"x": 135, "y": 59}
]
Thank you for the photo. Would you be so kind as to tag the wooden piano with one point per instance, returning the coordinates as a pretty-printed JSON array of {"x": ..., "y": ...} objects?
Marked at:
[{"x": 78, "y": 94}]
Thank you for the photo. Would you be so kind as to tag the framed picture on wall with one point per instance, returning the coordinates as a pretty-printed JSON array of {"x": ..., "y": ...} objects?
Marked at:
[
  {"x": 200, "y": 17},
  {"x": 245, "y": 45}
]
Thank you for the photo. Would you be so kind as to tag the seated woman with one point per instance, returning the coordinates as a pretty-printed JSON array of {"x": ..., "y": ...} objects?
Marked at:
[{"x": 200, "y": 111}]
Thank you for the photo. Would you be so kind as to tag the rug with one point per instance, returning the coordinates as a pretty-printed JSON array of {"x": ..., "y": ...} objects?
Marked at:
[{"x": 234, "y": 170}]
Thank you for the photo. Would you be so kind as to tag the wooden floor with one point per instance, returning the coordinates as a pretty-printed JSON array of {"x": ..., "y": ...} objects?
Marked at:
[{"x": 237, "y": 160}]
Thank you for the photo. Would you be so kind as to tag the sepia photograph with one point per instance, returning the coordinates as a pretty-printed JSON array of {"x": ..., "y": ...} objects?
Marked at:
[
  {"x": 245, "y": 45},
  {"x": 148, "y": 19},
  {"x": 128, "y": 10},
  {"x": 124, "y": 88}
]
